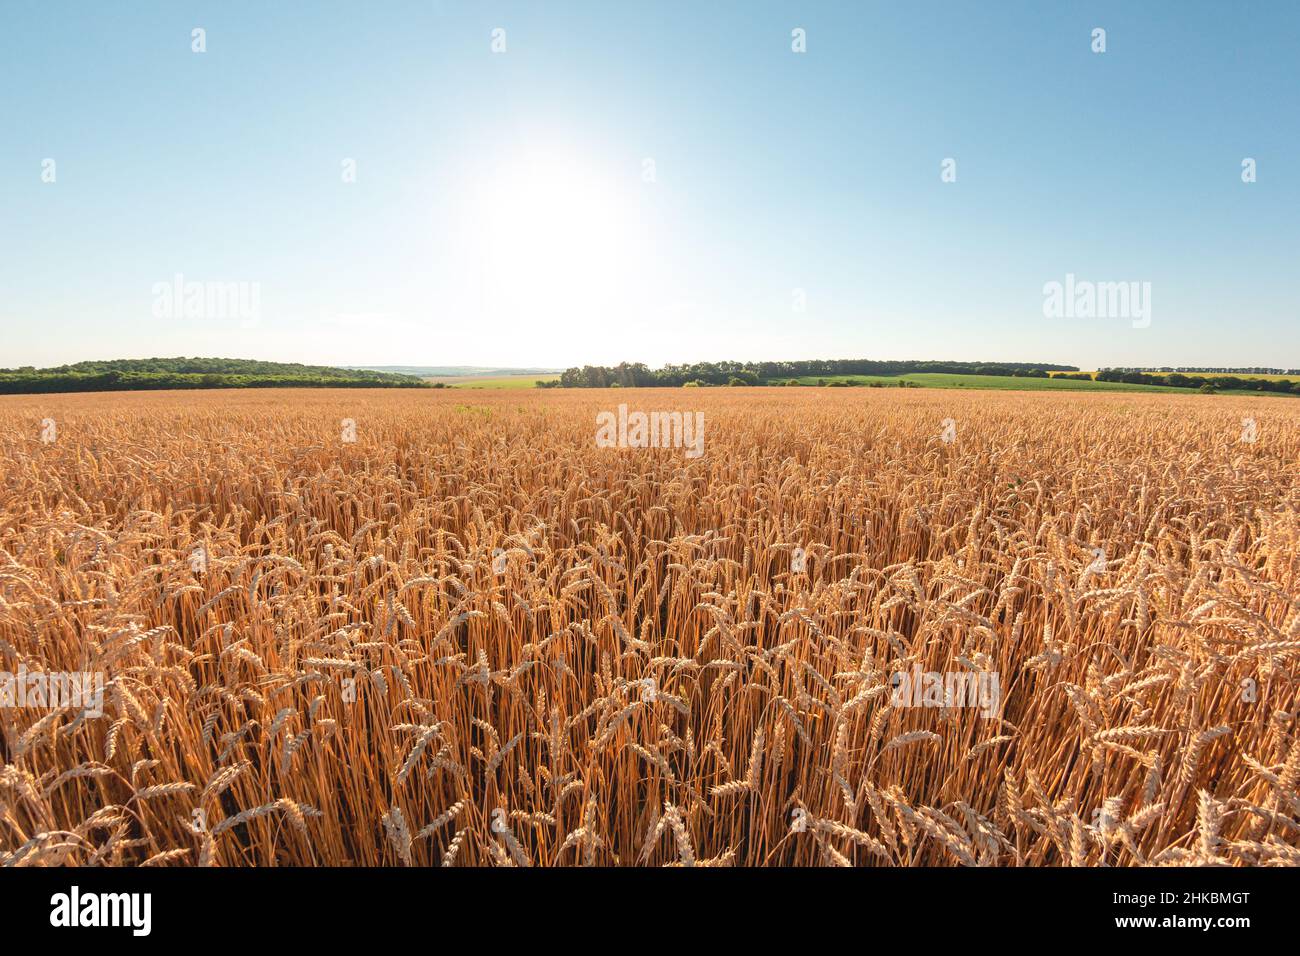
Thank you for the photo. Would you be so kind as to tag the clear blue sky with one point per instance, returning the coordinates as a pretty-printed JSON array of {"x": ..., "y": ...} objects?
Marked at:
[{"x": 500, "y": 215}]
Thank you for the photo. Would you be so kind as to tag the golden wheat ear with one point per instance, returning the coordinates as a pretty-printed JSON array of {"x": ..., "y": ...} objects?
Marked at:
[{"x": 1035, "y": 629}]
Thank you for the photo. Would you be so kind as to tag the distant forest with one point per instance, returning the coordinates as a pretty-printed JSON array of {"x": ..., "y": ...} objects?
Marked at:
[
  {"x": 631, "y": 375},
  {"x": 158, "y": 373},
  {"x": 193, "y": 373},
  {"x": 753, "y": 373},
  {"x": 1207, "y": 383}
]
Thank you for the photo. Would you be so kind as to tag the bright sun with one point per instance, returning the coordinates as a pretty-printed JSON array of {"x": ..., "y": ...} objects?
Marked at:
[{"x": 557, "y": 240}]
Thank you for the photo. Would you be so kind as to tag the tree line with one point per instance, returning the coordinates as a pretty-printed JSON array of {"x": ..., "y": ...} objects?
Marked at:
[
  {"x": 1206, "y": 383},
  {"x": 189, "y": 373},
  {"x": 637, "y": 375}
]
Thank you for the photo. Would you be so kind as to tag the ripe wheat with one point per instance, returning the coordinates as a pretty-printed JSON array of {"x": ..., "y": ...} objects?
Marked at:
[{"x": 473, "y": 637}]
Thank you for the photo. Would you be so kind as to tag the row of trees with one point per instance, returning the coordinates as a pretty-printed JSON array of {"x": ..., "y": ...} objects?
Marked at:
[
  {"x": 1216, "y": 383},
  {"x": 160, "y": 373},
  {"x": 636, "y": 374},
  {"x": 13, "y": 383},
  {"x": 211, "y": 366}
]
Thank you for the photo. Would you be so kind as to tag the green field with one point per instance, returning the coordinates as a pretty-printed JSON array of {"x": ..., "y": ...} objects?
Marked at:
[
  {"x": 507, "y": 381},
  {"x": 1241, "y": 391},
  {"x": 1001, "y": 382}
]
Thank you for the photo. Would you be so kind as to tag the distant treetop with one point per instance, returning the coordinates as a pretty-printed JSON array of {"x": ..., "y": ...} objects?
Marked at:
[{"x": 720, "y": 373}]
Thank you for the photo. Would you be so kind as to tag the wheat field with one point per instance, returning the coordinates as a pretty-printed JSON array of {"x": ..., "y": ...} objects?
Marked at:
[{"x": 471, "y": 637}]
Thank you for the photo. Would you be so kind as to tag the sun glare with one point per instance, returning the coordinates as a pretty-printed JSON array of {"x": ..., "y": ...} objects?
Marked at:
[{"x": 555, "y": 238}]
